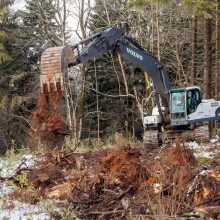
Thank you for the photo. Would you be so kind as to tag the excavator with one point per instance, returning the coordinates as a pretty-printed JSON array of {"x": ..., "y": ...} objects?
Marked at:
[{"x": 177, "y": 111}]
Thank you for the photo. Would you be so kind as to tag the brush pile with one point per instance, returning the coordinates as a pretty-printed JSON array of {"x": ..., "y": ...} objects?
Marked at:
[{"x": 125, "y": 182}]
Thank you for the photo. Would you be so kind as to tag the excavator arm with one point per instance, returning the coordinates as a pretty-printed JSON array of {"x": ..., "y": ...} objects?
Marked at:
[{"x": 116, "y": 41}]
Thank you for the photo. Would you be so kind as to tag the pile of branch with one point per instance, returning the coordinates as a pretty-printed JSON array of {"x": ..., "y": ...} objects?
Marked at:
[{"x": 124, "y": 181}]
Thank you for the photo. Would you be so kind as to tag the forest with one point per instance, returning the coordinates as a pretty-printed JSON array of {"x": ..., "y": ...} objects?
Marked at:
[
  {"x": 103, "y": 104},
  {"x": 183, "y": 35}
]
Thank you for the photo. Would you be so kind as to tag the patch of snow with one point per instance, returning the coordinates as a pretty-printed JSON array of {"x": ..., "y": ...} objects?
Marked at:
[
  {"x": 193, "y": 144},
  {"x": 125, "y": 203},
  {"x": 204, "y": 154},
  {"x": 205, "y": 151},
  {"x": 24, "y": 212},
  {"x": 204, "y": 172},
  {"x": 215, "y": 139},
  {"x": 8, "y": 169},
  {"x": 157, "y": 185},
  {"x": 5, "y": 189},
  {"x": 14, "y": 209}
]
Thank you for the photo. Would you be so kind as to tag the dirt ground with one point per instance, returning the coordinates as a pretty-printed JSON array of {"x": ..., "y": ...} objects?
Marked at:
[{"x": 124, "y": 182}]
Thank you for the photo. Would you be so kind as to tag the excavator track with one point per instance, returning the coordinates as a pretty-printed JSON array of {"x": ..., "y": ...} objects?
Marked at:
[
  {"x": 153, "y": 138},
  {"x": 54, "y": 63},
  {"x": 201, "y": 133}
]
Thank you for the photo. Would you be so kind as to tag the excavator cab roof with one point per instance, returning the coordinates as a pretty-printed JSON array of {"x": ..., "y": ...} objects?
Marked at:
[{"x": 182, "y": 89}]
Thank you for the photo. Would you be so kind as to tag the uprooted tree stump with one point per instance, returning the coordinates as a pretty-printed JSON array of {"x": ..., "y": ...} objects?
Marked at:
[{"x": 48, "y": 121}]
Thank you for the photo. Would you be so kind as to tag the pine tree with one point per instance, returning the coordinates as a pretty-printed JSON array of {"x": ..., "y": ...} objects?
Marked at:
[
  {"x": 208, "y": 59},
  {"x": 4, "y": 55}
]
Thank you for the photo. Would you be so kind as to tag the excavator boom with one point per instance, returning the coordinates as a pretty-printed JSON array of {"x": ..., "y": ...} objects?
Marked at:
[{"x": 55, "y": 61}]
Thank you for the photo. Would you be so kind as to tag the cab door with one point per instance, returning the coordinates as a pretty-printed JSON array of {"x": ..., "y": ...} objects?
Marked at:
[
  {"x": 193, "y": 99},
  {"x": 178, "y": 107}
]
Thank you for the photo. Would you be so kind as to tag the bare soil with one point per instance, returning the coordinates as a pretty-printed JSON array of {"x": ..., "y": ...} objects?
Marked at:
[{"x": 47, "y": 120}]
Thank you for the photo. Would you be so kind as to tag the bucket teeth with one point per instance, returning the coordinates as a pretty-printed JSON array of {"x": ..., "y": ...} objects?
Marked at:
[
  {"x": 52, "y": 82},
  {"x": 54, "y": 63}
]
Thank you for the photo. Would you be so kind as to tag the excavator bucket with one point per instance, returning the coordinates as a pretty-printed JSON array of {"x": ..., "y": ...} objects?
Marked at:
[{"x": 54, "y": 64}]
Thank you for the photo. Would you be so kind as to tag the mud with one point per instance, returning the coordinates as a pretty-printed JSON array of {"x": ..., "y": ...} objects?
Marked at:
[{"x": 48, "y": 124}]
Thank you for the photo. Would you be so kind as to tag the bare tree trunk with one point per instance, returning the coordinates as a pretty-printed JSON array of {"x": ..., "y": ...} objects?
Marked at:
[
  {"x": 83, "y": 22},
  {"x": 97, "y": 102},
  {"x": 152, "y": 31},
  {"x": 208, "y": 64},
  {"x": 138, "y": 102},
  {"x": 68, "y": 105},
  {"x": 84, "y": 71},
  {"x": 81, "y": 18},
  {"x": 207, "y": 59},
  {"x": 124, "y": 75},
  {"x": 64, "y": 22},
  {"x": 158, "y": 31},
  {"x": 194, "y": 48},
  {"x": 217, "y": 63}
]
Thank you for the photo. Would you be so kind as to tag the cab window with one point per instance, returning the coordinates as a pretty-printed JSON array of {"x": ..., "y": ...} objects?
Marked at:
[
  {"x": 198, "y": 96},
  {"x": 178, "y": 102},
  {"x": 193, "y": 100}
]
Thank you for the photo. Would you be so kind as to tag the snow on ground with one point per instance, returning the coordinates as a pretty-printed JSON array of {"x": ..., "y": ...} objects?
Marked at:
[
  {"x": 13, "y": 209},
  {"x": 8, "y": 168},
  {"x": 22, "y": 211},
  {"x": 5, "y": 189},
  {"x": 205, "y": 150}
]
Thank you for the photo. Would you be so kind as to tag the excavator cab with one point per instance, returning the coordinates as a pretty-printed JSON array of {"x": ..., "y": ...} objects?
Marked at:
[{"x": 183, "y": 102}]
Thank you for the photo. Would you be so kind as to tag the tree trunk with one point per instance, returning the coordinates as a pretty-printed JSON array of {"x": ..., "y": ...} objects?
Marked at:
[
  {"x": 123, "y": 74},
  {"x": 217, "y": 65},
  {"x": 194, "y": 49},
  {"x": 152, "y": 30},
  {"x": 158, "y": 31},
  {"x": 64, "y": 23},
  {"x": 81, "y": 18},
  {"x": 207, "y": 59},
  {"x": 84, "y": 70},
  {"x": 97, "y": 103}
]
